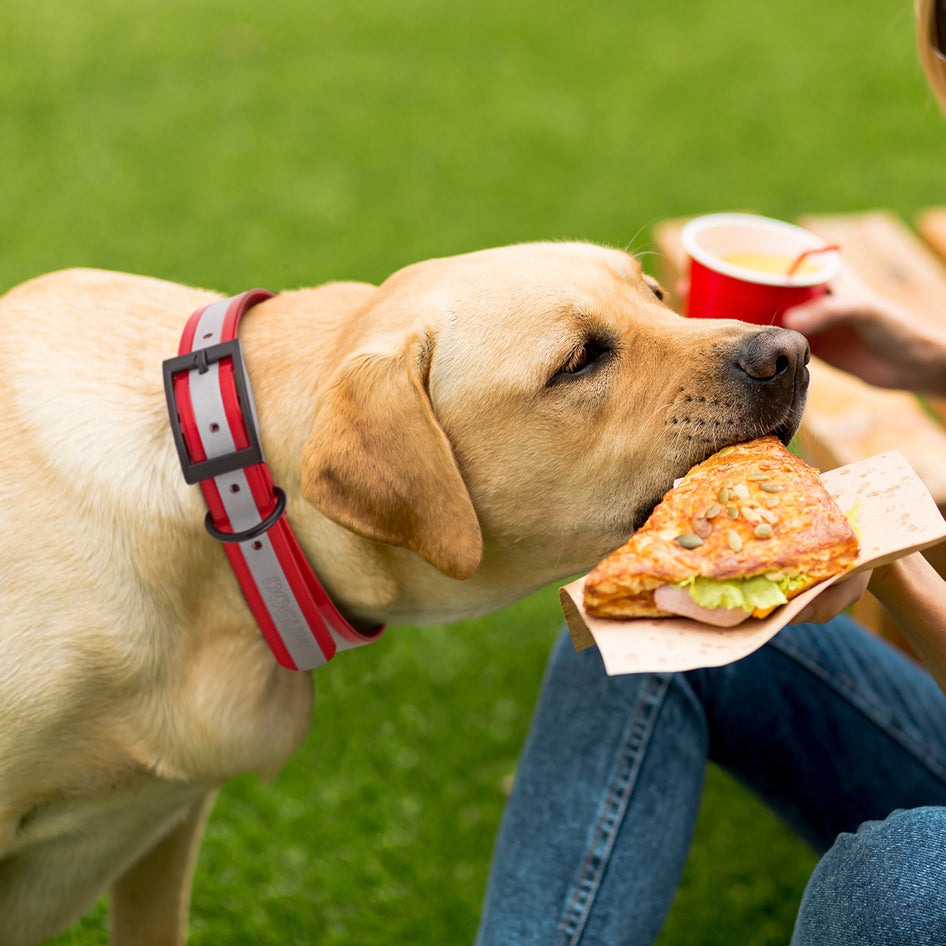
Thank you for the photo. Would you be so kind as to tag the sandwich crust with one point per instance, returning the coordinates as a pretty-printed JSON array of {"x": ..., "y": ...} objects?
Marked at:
[{"x": 751, "y": 509}]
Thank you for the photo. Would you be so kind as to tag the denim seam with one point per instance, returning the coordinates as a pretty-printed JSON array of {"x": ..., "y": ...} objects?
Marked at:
[
  {"x": 612, "y": 811},
  {"x": 850, "y": 695}
]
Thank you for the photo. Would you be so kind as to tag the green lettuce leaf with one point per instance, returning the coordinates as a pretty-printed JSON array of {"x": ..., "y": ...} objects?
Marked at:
[
  {"x": 746, "y": 594},
  {"x": 853, "y": 516}
]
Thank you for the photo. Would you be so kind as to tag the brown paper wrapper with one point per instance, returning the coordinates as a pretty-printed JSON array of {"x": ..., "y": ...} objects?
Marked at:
[{"x": 897, "y": 516}]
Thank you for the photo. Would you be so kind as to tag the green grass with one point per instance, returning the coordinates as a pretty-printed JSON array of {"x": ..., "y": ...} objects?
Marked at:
[{"x": 286, "y": 143}]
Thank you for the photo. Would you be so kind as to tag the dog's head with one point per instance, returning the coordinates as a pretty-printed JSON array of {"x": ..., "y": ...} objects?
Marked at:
[{"x": 523, "y": 408}]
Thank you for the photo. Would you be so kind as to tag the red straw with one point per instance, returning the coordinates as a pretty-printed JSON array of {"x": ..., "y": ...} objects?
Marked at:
[{"x": 806, "y": 253}]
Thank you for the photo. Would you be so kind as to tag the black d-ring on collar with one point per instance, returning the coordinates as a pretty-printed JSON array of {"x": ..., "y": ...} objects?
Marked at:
[{"x": 253, "y": 531}]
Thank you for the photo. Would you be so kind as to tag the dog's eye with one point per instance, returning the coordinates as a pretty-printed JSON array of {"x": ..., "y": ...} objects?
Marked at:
[
  {"x": 585, "y": 358},
  {"x": 655, "y": 288}
]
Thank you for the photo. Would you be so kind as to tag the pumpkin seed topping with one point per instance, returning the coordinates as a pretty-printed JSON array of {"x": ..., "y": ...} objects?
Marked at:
[
  {"x": 689, "y": 541},
  {"x": 763, "y": 531},
  {"x": 733, "y": 540},
  {"x": 771, "y": 487}
]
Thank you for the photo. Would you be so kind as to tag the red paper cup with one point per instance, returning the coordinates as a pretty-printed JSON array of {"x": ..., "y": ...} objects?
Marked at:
[{"x": 739, "y": 267}]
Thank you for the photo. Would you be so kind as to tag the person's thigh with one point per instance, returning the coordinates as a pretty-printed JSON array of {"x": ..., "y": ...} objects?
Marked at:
[
  {"x": 830, "y": 726},
  {"x": 597, "y": 828},
  {"x": 884, "y": 885}
]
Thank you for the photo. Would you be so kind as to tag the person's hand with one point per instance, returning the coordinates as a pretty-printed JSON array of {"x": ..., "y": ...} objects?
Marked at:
[
  {"x": 833, "y": 600},
  {"x": 858, "y": 330}
]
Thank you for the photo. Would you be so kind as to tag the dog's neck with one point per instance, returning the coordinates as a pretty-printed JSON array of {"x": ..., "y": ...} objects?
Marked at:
[{"x": 289, "y": 361}]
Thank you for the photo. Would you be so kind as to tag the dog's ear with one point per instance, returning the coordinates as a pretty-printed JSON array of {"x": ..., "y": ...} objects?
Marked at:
[{"x": 378, "y": 462}]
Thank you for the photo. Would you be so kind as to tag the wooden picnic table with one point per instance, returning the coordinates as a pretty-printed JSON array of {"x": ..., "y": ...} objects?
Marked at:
[{"x": 847, "y": 419}]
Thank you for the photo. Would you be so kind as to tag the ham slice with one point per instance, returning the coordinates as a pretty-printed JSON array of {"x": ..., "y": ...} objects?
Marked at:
[{"x": 678, "y": 601}]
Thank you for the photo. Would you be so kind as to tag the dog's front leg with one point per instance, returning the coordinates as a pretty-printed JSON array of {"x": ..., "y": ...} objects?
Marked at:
[{"x": 150, "y": 901}]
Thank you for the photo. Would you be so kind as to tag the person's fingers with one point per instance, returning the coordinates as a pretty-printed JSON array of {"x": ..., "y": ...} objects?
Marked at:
[
  {"x": 809, "y": 319},
  {"x": 831, "y": 602}
]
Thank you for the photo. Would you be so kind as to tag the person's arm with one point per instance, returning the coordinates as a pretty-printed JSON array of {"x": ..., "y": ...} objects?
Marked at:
[
  {"x": 862, "y": 332},
  {"x": 914, "y": 595}
]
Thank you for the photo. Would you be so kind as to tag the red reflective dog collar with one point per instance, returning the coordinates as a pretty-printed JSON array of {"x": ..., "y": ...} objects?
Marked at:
[{"x": 210, "y": 404}]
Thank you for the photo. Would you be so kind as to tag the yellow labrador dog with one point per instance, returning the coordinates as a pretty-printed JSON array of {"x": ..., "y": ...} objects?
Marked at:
[{"x": 468, "y": 431}]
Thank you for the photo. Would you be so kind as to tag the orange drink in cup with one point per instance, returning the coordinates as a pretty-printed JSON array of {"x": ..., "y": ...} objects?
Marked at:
[{"x": 752, "y": 268}]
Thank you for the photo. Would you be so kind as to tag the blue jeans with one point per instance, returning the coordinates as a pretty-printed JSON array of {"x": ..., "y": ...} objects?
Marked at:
[{"x": 837, "y": 732}]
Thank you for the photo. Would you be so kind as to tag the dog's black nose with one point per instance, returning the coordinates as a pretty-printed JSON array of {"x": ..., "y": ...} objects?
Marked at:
[{"x": 777, "y": 354}]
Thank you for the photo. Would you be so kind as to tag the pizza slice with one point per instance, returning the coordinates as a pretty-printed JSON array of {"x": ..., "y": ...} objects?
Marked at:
[{"x": 741, "y": 533}]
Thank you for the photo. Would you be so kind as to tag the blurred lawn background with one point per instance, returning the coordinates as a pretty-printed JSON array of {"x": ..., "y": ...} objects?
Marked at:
[{"x": 285, "y": 143}]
